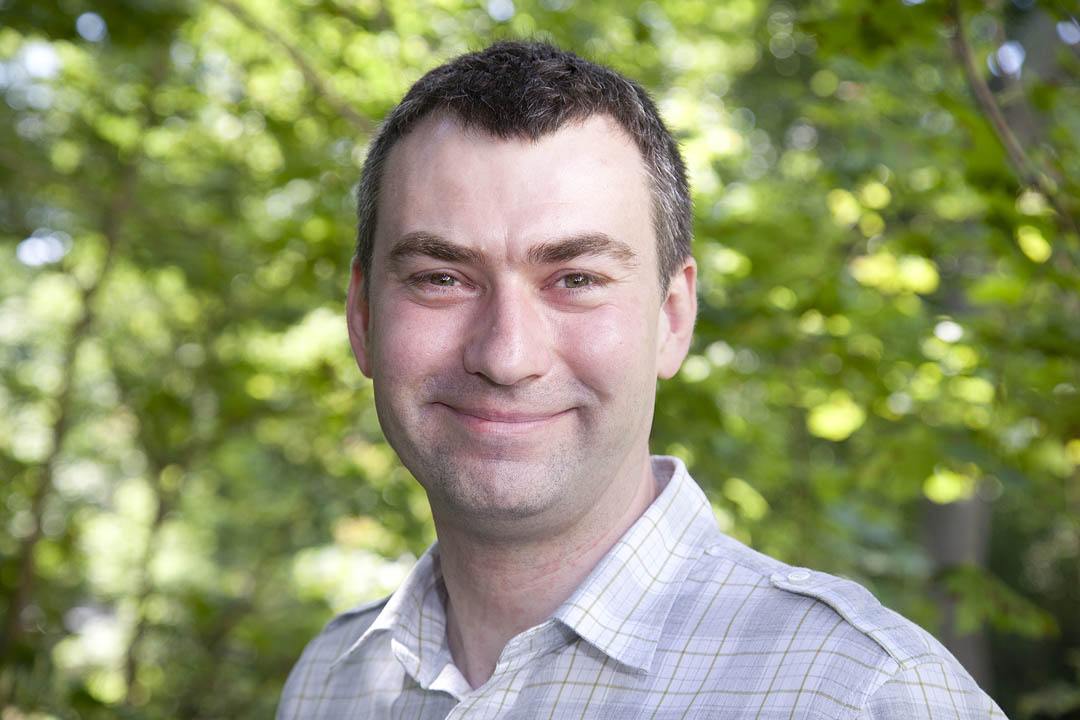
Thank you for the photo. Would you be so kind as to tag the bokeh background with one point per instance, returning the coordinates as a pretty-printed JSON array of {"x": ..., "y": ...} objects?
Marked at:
[{"x": 885, "y": 382}]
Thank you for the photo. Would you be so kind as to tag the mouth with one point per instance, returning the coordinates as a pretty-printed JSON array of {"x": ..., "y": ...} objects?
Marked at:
[{"x": 503, "y": 421}]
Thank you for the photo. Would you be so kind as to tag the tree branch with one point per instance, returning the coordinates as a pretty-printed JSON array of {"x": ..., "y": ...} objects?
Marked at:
[
  {"x": 335, "y": 101},
  {"x": 1022, "y": 165},
  {"x": 145, "y": 586},
  {"x": 112, "y": 219},
  {"x": 24, "y": 588}
]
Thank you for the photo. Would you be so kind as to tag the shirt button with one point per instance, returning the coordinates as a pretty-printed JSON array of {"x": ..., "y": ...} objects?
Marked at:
[{"x": 798, "y": 577}]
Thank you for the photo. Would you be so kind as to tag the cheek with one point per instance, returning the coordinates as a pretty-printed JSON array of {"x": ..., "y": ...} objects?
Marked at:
[
  {"x": 609, "y": 347},
  {"x": 410, "y": 344}
]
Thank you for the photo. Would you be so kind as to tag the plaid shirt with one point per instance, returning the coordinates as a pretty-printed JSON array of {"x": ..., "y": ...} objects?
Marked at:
[{"x": 676, "y": 621}]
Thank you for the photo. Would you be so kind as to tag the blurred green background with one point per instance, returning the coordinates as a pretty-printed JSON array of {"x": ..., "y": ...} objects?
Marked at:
[{"x": 885, "y": 382}]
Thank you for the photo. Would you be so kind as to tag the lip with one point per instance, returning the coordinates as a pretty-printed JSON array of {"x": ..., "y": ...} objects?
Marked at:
[{"x": 502, "y": 420}]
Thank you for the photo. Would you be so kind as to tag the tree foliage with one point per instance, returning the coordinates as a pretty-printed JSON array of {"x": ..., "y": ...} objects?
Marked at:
[{"x": 888, "y": 348}]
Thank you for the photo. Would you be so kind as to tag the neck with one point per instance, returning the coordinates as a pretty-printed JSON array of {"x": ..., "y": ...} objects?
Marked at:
[{"x": 497, "y": 590}]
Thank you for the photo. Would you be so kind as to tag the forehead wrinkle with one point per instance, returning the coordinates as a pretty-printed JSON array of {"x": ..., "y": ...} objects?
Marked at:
[
  {"x": 433, "y": 246},
  {"x": 557, "y": 251}
]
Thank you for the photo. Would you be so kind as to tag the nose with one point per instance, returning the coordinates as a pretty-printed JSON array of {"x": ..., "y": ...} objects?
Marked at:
[{"x": 509, "y": 340}]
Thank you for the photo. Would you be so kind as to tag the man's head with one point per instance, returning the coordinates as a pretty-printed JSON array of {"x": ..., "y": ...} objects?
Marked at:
[
  {"x": 514, "y": 308},
  {"x": 524, "y": 91}
]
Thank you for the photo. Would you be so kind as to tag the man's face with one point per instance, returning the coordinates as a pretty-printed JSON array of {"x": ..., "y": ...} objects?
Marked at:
[{"x": 513, "y": 326}]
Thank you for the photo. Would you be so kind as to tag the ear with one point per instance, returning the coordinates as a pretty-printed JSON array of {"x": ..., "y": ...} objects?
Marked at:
[
  {"x": 677, "y": 316},
  {"x": 358, "y": 317}
]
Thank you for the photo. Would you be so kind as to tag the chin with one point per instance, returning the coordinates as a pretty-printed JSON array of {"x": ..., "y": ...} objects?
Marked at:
[{"x": 494, "y": 489}]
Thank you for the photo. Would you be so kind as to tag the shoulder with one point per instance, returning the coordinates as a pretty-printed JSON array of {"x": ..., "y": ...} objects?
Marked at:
[
  {"x": 931, "y": 688},
  {"x": 326, "y": 648},
  {"x": 341, "y": 632},
  {"x": 821, "y": 632},
  {"x": 349, "y": 618},
  {"x": 856, "y": 614}
]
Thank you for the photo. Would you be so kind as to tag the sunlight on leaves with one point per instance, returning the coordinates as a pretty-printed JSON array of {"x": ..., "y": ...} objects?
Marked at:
[{"x": 836, "y": 418}]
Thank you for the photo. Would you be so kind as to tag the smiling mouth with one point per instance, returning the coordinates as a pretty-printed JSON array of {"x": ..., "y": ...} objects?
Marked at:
[{"x": 502, "y": 421}]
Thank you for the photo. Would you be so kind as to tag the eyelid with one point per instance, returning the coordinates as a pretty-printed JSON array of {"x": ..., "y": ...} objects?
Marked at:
[
  {"x": 422, "y": 280},
  {"x": 595, "y": 280}
]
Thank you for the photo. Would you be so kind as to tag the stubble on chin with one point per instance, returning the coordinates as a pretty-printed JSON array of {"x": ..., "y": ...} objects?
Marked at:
[
  {"x": 496, "y": 490},
  {"x": 503, "y": 486}
]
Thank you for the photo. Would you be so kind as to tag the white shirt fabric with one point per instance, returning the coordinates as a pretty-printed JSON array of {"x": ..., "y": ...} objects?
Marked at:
[{"x": 676, "y": 621}]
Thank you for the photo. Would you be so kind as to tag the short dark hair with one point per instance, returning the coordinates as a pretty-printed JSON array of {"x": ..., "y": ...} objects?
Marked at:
[{"x": 526, "y": 90}]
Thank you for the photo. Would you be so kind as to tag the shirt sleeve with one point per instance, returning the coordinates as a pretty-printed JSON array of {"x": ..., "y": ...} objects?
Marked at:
[{"x": 930, "y": 690}]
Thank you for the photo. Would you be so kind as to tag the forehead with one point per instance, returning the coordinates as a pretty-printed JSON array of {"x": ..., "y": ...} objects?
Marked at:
[{"x": 476, "y": 189}]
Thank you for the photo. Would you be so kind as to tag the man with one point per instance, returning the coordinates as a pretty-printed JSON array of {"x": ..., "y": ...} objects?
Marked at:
[{"x": 523, "y": 276}]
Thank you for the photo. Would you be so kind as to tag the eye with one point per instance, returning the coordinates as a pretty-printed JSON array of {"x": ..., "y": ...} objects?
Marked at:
[
  {"x": 574, "y": 281},
  {"x": 441, "y": 279},
  {"x": 436, "y": 283}
]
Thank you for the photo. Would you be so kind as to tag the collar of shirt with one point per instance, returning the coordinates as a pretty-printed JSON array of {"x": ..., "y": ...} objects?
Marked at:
[{"x": 620, "y": 609}]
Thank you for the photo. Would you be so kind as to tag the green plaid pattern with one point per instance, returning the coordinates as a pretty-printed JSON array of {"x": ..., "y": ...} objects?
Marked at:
[{"x": 677, "y": 621}]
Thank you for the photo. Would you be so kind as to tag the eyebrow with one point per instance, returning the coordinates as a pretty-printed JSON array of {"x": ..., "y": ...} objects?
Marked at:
[
  {"x": 430, "y": 245},
  {"x": 558, "y": 251},
  {"x": 548, "y": 253}
]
